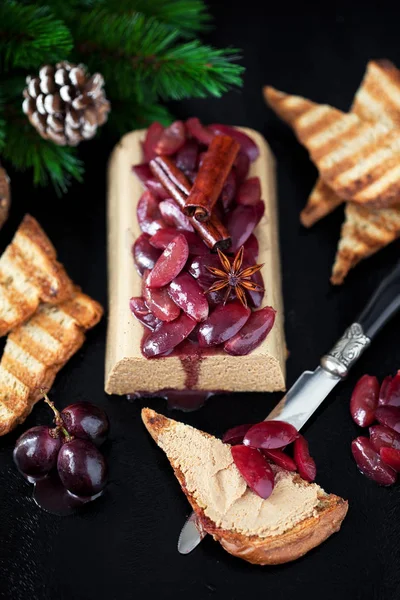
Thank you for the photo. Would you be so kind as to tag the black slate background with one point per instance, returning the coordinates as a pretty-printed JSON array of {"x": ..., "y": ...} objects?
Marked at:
[{"x": 124, "y": 545}]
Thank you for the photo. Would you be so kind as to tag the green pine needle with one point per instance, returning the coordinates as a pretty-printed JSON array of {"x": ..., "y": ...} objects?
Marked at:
[{"x": 30, "y": 36}]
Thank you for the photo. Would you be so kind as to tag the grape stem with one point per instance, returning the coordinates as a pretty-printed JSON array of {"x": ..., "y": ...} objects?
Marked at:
[{"x": 58, "y": 418}]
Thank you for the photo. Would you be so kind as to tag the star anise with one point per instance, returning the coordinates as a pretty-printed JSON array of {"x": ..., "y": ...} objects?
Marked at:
[{"x": 232, "y": 276}]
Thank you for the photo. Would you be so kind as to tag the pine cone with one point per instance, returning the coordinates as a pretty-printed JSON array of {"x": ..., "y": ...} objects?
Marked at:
[{"x": 65, "y": 104}]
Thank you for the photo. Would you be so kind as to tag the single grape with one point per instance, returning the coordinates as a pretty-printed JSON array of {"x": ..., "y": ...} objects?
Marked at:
[
  {"x": 87, "y": 421},
  {"x": 36, "y": 450},
  {"x": 81, "y": 467}
]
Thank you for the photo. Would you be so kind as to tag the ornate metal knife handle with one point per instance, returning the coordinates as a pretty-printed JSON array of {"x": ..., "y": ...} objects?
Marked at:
[{"x": 346, "y": 351}]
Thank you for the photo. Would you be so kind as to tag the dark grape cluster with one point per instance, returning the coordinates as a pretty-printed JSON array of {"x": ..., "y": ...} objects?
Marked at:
[{"x": 64, "y": 462}]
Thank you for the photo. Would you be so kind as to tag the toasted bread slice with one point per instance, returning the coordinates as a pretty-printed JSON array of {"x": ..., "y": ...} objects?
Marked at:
[
  {"x": 377, "y": 99},
  {"x": 37, "y": 350},
  {"x": 29, "y": 274},
  {"x": 296, "y": 517},
  {"x": 321, "y": 202},
  {"x": 359, "y": 160},
  {"x": 364, "y": 232}
]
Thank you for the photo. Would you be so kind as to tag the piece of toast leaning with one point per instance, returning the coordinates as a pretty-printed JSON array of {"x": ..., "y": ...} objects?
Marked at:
[
  {"x": 359, "y": 160},
  {"x": 29, "y": 274},
  {"x": 377, "y": 99},
  {"x": 36, "y": 350},
  {"x": 296, "y": 517}
]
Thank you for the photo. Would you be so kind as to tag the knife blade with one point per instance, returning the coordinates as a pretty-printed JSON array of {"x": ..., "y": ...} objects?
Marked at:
[{"x": 312, "y": 387}]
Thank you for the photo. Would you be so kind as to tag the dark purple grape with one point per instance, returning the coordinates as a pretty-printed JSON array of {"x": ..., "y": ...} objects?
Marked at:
[
  {"x": 35, "y": 452},
  {"x": 82, "y": 468},
  {"x": 87, "y": 421}
]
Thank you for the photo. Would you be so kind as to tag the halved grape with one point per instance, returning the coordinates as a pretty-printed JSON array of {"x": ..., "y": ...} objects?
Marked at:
[
  {"x": 153, "y": 134},
  {"x": 236, "y": 434},
  {"x": 36, "y": 450},
  {"x": 383, "y": 392},
  {"x": 370, "y": 463},
  {"x": 163, "y": 237},
  {"x": 247, "y": 144},
  {"x": 87, "y": 421},
  {"x": 173, "y": 215},
  {"x": 144, "y": 254},
  {"x": 249, "y": 192},
  {"x": 171, "y": 139},
  {"x": 270, "y": 435},
  {"x": 148, "y": 214},
  {"x": 82, "y": 467},
  {"x": 160, "y": 303},
  {"x": 390, "y": 391},
  {"x": 143, "y": 314},
  {"x": 380, "y": 436},
  {"x": 142, "y": 172},
  {"x": 145, "y": 175},
  {"x": 168, "y": 336},
  {"x": 389, "y": 416},
  {"x": 305, "y": 464},
  {"x": 198, "y": 269},
  {"x": 223, "y": 323},
  {"x": 241, "y": 166},
  {"x": 170, "y": 263},
  {"x": 253, "y": 333},
  {"x": 157, "y": 189},
  {"x": 251, "y": 247},
  {"x": 281, "y": 459},
  {"x": 364, "y": 400},
  {"x": 241, "y": 223},
  {"x": 199, "y": 131},
  {"x": 188, "y": 295},
  {"x": 254, "y": 469},
  {"x": 391, "y": 457},
  {"x": 229, "y": 190},
  {"x": 186, "y": 158}
]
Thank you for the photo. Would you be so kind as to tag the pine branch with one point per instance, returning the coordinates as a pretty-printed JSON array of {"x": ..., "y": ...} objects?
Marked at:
[
  {"x": 193, "y": 69},
  {"x": 141, "y": 48},
  {"x": 30, "y": 36},
  {"x": 25, "y": 149},
  {"x": 189, "y": 16},
  {"x": 136, "y": 50}
]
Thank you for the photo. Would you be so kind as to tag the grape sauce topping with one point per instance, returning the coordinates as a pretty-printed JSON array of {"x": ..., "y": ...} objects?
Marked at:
[
  {"x": 377, "y": 457},
  {"x": 64, "y": 463},
  {"x": 189, "y": 304},
  {"x": 255, "y": 447}
]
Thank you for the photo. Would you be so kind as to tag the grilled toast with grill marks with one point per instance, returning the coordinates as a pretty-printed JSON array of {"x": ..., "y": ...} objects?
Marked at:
[
  {"x": 36, "y": 350},
  {"x": 29, "y": 274},
  {"x": 377, "y": 99},
  {"x": 364, "y": 232},
  {"x": 297, "y": 517},
  {"x": 359, "y": 160}
]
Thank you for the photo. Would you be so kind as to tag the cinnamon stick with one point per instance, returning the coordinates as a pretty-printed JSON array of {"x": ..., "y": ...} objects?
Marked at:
[
  {"x": 213, "y": 232},
  {"x": 211, "y": 177}
]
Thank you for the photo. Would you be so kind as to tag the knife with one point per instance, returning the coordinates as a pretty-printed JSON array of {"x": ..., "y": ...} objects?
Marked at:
[{"x": 312, "y": 387}]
